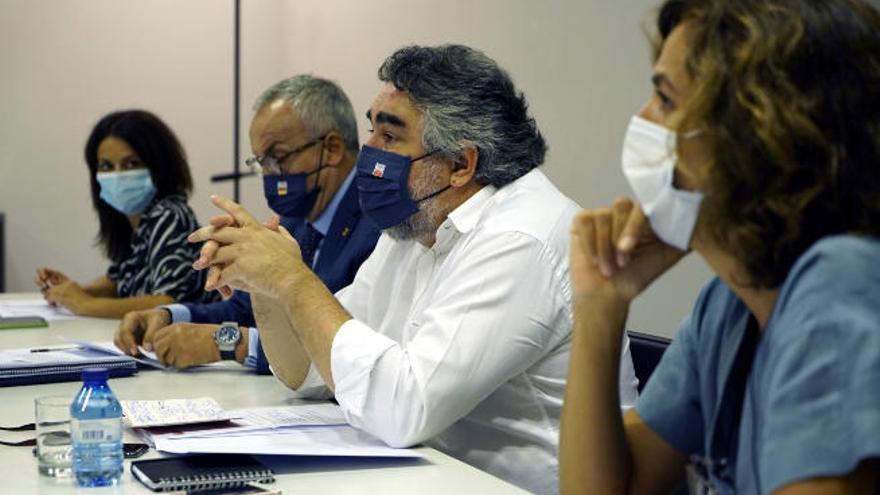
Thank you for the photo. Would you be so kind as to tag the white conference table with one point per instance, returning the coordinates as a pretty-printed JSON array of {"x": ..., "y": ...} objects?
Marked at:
[{"x": 233, "y": 387}]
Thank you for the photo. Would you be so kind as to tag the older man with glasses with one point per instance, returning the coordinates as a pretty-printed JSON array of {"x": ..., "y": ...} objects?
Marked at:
[{"x": 304, "y": 137}]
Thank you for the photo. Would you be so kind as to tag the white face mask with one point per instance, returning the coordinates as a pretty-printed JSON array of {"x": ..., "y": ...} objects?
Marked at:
[{"x": 649, "y": 156}]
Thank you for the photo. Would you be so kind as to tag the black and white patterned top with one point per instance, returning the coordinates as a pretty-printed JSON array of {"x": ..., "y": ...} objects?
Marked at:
[{"x": 161, "y": 258}]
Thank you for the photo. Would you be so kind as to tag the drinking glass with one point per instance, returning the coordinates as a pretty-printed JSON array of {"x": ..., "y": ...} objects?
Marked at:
[{"x": 54, "y": 449}]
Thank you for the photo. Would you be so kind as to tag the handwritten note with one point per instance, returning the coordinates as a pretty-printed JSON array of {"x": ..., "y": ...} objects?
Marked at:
[
  {"x": 275, "y": 419},
  {"x": 150, "y": 413}
]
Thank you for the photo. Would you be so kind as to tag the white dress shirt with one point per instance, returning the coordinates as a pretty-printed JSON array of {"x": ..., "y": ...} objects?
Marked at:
[{"x": 465, "y": 345}]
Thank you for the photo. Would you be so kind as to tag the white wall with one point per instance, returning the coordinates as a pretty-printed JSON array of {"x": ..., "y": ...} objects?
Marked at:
[
  {"x": 583, "y": 64},
  {"x": 65, "y": 64}
]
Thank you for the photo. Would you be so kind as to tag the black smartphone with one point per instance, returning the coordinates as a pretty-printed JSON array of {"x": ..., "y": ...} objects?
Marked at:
[
  {"x": 129, "y": 450},
  {"x": 134, "y": 450}
]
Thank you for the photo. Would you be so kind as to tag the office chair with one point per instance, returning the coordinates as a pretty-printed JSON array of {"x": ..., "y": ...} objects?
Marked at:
[{"x": 646, "y": 351}]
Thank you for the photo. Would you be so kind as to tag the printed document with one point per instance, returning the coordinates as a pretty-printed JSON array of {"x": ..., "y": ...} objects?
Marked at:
[
  {"x": 311, "y": 441},
  {"x": 34, "y": 307}
]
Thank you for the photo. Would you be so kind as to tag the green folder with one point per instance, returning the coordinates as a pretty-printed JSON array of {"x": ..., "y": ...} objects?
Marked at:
[{"x": 10, "y": 322}]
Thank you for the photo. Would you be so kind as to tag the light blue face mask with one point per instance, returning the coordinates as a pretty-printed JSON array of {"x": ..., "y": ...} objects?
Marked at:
[{"x": 128, "y": 192}]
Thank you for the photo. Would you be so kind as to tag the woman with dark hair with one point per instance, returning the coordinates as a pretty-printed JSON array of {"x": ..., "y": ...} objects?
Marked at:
[
  {"x": 759, "y": 150},
  {"x": 140, "y": 182}
]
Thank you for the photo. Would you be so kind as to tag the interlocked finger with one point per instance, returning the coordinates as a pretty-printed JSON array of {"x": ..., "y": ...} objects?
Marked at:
[
  {"x": 235, "y": 210},
  {"x": 587, "y": 234},
  {"x": 604, "y": 247}
]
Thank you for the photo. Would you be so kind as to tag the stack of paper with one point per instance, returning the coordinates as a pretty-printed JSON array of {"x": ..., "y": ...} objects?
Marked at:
[
  {"x": 317, "y": 429},
  {"x": 34, "y": 307},
  {"x": 274, "y": 419},
  {"x": 146, "y": 358},
  {"x": 312, "y": 441}
]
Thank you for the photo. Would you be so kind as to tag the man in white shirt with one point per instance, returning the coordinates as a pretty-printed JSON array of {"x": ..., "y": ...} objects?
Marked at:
[{"x": 456, "y": 331}]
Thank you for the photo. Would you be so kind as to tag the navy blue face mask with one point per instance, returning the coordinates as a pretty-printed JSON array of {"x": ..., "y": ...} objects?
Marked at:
[
  {"x": 382, "y": 178},
  {"x": 286, "y": 194}
]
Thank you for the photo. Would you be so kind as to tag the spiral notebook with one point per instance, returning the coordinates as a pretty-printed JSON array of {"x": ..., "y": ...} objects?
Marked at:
[
  {"x": 201, "y": 472},
  {"x": 57, "y": 364}
]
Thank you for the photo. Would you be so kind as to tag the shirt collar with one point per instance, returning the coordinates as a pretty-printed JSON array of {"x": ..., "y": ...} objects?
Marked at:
[
  {"x": 465, "y": 217},
  {"x": 322, "y": 223}
]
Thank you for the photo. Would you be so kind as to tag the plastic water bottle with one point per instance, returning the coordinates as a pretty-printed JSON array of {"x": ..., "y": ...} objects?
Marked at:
[{"x": 96, "y": 431}]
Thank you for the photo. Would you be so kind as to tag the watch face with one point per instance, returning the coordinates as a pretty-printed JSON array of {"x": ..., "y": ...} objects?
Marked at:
[{"x": 227, "y": 335}]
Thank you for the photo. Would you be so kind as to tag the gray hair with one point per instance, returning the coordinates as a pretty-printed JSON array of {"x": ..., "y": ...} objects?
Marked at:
[
  {"x": 321, "y": 104},
  {"x": 466, "y": 99}
]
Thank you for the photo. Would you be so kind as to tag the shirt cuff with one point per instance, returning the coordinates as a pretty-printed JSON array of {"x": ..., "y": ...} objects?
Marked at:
[
  {"x": 253, "y": 347},
  {"x": 313, "y": 386},
  {"x": 179, "y": 313},
  {"x": 353, "y": 354}
]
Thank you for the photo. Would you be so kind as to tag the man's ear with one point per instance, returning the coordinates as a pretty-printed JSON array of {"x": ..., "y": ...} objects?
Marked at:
[
  {"x": 334, "y": 149},
  {"x": 465, "y": 167}
]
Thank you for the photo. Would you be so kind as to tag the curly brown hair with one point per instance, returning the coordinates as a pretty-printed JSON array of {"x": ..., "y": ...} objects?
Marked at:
[{"x": 788, "y": 92}]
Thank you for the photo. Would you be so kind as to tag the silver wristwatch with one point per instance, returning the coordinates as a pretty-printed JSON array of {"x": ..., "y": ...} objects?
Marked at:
[{"x": 227, "y": 338}]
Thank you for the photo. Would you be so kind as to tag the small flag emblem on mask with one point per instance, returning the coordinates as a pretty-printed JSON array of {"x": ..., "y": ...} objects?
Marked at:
[
  {"x": 379, "y": 170},
  {"x": 282, "y": 187}
]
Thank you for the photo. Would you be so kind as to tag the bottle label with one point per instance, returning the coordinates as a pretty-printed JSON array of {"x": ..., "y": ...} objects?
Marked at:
[{"x": 96, "y": 430}]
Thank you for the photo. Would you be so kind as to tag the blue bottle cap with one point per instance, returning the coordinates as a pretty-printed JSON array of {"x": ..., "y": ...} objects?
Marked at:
[{"x": 95, "y": 375}]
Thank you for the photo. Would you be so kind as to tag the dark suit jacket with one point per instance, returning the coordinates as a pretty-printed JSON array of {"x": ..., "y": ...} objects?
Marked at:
[{"x": 349, "y": 241}]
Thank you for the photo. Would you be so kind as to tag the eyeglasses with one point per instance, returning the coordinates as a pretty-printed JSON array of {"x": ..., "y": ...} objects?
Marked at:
[{"x": 271, "y": 165}]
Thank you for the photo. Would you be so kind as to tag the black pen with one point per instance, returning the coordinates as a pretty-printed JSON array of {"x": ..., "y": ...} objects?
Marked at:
[{"x": 50, "y": 349}]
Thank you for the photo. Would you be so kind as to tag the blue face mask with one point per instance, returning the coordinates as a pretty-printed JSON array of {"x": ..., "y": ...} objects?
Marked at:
[
  {"x": 286, "y": 193},
  {"x": 382, "y": 181},
  {"x": 128, "y": 192},
  {"x": 287, "y": 196}
]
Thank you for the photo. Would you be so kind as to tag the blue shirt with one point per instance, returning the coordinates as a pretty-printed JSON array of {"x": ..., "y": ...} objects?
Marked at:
[
  {"x": 812, "y": 400},
  {"x": 322, "y": 223}
]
